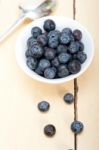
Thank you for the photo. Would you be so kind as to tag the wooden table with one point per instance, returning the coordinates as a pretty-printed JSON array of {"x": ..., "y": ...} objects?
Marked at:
[{"x": 21, "y": 124}]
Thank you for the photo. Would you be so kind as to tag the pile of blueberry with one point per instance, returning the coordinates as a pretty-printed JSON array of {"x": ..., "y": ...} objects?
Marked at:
[{"x": 53, "y": 53}]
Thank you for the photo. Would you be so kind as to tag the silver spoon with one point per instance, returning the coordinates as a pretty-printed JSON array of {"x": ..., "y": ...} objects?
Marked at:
[{"x": 44, "y": 9}]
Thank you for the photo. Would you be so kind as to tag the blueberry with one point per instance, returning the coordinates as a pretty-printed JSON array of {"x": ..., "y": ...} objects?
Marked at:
[
  {"x": 39, "y": 71},
  {"x": 49, "y": 130},
  {"x": 36, "y": 31},
  {"x": 81, "y": 56},
  {"x": 54, "y": 34},
  {"x": 67, "y": 31},
  {"x": 37, "y": 51},
  {"x": 62, "y": 71},
  {"x": 73, "y": 47},
  {"x": 43, "y": 64},
  {"x": 64, "y": 57},
  {"x": 77, "y": 34},
  {"x": 53, "y": 39},
  {"x": 62, "y": 48},
  {"x": 49, "y": 73},
  {"x": 54, "y": 68},
  {"x": 49, "y": 25},
  {"x": 31, "y": 41},
  {"x": 49, "y": 53},
  {"x": 68, "y": 98},
  {"x": 43, "y": 106},
  {"x": 52, "y": 43},
  {"x": 42, "y": 40},
  {"x": 77, "y": 127},
  {"x": 28, "y": 53},
  {"x": 31, "y": 63},
  {"x": 74, "y": 66},
  {"x": 81, "y": 46},
  {"x": 55, "y": 62},
  {"x": 65, "y": 38}
]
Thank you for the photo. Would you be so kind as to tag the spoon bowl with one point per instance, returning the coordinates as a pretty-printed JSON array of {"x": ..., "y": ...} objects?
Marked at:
[{"x": 31, "y": 12}]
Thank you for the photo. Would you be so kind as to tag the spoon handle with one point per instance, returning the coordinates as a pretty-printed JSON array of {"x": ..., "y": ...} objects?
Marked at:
[{"x": 8, "y": 31}]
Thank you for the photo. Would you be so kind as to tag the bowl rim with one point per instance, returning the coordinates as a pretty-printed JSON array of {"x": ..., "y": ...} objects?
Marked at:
[{"x": 61, "y": 80}]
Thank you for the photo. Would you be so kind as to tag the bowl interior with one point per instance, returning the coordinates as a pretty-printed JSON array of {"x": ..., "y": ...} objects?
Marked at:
[{"x": 61, "y": 22}]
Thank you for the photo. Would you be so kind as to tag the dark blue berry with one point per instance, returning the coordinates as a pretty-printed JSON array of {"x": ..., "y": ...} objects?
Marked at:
[
  {"x": 49, "y": 73},
  {"x": 73, "y": 47},
  {"x": 62, "y": 48},
  {"x": 54, "y": 34},
  {"x": 67, "y": 31},
  {"x": 31, "y": 41},
  {"x": 81, "y": 46},
  {"x": 42, "y": 40},
  {"x": 36, "y": 31},
  {"x": 49, "y": 25},
  {"x": 54, "y": 68},
  {"x": 55, "y": 62},
  {"x": 39, "y": 71},
  {"x": 43, "y": 106},
  {"x": 49, "y": 130},
  {"x": 81, "y": 56},
  {"x": 77, "y": 34},
  {"x": 77, "y": 127},
  {"x": 37, "y": 51},
  {"x": 65, "y": 38},
  {"x": 52, "y": 43},
  {"x": 74, "y": 66},
  {"x": 49, "y": 53},
  {"x": 64, "y": 57},
  {"x": 28, "y": 53},
  {"x": 63, "y": 71},
  {"x": 31, "y": 63},
  {"x": 43, "y": 64},
  {"x": 68, "y": 98}
]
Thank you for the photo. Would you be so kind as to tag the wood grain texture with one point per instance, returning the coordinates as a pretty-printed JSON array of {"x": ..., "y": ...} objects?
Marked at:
[
  {"x": 88, "y": 102},
  {"x": 21, "y": 124}
]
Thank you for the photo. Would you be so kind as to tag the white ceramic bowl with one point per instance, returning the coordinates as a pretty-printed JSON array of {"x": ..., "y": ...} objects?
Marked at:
[{"x": 61, "y": 22}]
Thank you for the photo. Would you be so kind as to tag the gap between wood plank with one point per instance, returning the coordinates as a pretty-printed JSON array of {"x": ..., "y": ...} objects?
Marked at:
[{"x": 75, "y": 86}]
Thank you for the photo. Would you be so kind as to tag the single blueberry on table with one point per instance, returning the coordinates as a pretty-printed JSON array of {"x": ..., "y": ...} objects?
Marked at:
[
  {"x": 43, "y": 106},
  {"x": 68, "y": 98},
  {"x": 36, "y": 31},
  {"x": 73, "y": 47},
  {"x": 77, "y": 127},
  {"x": 49, "y": 25},
  {"x": 37, "y": 51},
  {"x": 64, "y": 57},
  {"x": 49, "y": 53},
  {"x": 42, "y": 40},
  {"x": 55, "y": 62},
  {"x": 63, "y": 71},
  {"x": 77, "y": 34},
  {"x": 50, "y": 73},
  {"x": 43, "y": 64},
  {"x": 50, "y": 130},
  {"x": 74, "y": 66},
  {"x": 31, "y": 63}
]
